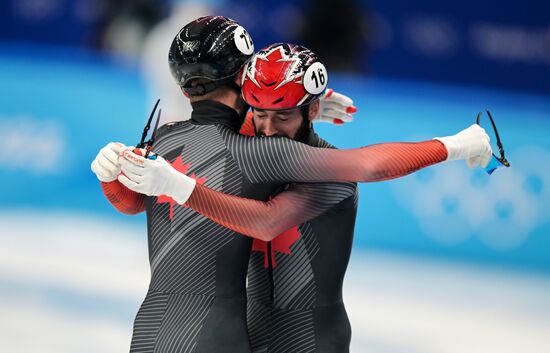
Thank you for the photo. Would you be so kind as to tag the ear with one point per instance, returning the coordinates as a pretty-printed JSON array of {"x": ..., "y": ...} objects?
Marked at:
[{"x": 314, "y": 110}]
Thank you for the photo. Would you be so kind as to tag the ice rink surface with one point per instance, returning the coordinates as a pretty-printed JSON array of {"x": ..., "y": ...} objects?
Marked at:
[{"x": 71, "y": 283}]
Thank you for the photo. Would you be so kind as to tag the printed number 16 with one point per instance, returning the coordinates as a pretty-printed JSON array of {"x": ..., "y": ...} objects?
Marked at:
[{"x": 321, "y": 78}]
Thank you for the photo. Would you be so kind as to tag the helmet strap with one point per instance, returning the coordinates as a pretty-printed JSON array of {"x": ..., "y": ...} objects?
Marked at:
[{"x": 201, "y": 89}]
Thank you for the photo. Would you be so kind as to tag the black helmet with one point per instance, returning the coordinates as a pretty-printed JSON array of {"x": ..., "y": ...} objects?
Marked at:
[{"x": 213, "y": 48}]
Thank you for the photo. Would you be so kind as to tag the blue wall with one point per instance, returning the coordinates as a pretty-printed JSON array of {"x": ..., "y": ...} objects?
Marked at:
[
  {"x": 501, "y": 44},
  {"x": 482, "y": 42},
  {"x": 56, "y": 112},
  {"x": 449, "y": 210}
]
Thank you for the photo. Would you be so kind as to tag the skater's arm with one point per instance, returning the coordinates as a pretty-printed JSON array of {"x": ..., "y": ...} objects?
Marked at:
[
  {"x": 279, "y": 159},
  {"x": 266, "y": 220},
  {"x": 123, "y": 199}
]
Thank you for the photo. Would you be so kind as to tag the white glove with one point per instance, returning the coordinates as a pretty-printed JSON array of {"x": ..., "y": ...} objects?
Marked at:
[
  {"x": 335, "y": 108},
  {"x": 105, "y": 165},
  {"x": 154, "y": 177},
  {"x": 471, "y": 144}
]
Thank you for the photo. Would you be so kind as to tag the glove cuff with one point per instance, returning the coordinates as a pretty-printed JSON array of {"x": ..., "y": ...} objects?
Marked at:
[
  {"x": 106, "y": 179},
  {"x": 183, "y": 189},
  {"x": 452, "y": 146}
]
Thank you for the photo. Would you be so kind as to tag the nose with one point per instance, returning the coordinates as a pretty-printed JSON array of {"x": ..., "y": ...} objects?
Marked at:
[{"x": 269, "y": 130}]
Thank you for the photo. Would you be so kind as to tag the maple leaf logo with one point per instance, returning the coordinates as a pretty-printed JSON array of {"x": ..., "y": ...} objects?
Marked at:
[
  {"x": 281, "y": 244},
  {"x": 178, "y": 165},
  {"x": 288, "y": 62}
]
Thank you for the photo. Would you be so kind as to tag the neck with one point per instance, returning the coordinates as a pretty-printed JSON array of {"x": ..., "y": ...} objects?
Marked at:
[
  {"x": 210, "y": 112},
  {"x": 230, "y": 98}
]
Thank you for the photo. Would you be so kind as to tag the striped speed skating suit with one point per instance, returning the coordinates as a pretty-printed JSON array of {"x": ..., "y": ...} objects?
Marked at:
[{"x": 196, "y": 301}]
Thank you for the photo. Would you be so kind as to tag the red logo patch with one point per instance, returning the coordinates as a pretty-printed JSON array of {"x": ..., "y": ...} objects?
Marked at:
[{"x": 281, "y": 244}]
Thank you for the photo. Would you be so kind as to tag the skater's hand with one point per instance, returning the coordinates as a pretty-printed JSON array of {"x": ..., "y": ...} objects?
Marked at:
[
  {"x": 471, "y": 144},
  {"x": 335, "y": 108},
  {"x": 154, "y": 177},
  {"x": 105, "y": 165}
]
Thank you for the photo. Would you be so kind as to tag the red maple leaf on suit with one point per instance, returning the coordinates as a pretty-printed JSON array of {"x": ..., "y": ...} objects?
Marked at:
[
  {"x": 281, "y": 244},
  {"x": 182, "y": 168}
]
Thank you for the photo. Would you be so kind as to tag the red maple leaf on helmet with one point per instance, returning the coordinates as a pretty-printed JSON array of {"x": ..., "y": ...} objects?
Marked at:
[
  {"x": 281, "y": 244},
  {"x": 277, "y": 62},
  {"x": 182, "y": 168},
  {"x": 273, "y": 79}
]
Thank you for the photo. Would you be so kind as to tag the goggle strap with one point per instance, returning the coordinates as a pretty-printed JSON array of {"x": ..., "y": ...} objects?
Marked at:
[
  {"x": 141, "y": 144},
  {"x": 499, "y": 143},
  {"x": 502, "y": 158}
]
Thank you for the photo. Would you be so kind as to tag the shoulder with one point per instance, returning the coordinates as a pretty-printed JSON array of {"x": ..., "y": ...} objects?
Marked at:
[
  {"x": 173, "y": 128},
  {"x": 317, "y": 141}
]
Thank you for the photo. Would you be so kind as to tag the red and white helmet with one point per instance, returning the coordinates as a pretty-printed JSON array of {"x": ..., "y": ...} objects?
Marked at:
[{"x": 283, "y": 76}]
